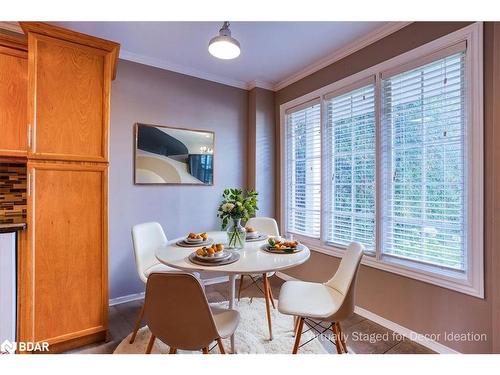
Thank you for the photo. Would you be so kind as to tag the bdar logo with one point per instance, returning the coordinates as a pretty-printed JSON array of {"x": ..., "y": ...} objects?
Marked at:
[{"x": 8, "y": 347}]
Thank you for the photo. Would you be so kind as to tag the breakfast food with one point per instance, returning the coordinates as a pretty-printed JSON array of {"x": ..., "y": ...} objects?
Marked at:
[
  {"x": 251, "y": 232},
  {"x": 209, "y": 251},
  {"x": 198, "y": 236},
  {"x": 276, "y": 244}
]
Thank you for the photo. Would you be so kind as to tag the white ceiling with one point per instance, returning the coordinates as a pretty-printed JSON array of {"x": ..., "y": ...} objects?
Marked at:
[{"x": 273, "y": 54}]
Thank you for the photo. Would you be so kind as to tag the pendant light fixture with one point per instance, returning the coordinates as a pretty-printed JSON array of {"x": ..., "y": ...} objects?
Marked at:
[{"x": 224, "y": 46}]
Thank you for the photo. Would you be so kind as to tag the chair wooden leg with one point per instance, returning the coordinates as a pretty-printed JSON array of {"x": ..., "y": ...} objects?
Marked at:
[
  {"x": 298, "y": 334},
  {"x": 271, "y": 294},
  {"x": 295, "y": 325},
  {"x": 336, "y": 334},
  {"x": 221, "y": 346},
  {"x": 240, "y": 287},
  {"x": 205, "y": 350},
  {"x": 137, "y": 325},
  {"x": 342, "y": 338},
  {"x": 150, "y": 344},
  {"x": 172, "y": 351},
  {"x": 268, "y": 309}
]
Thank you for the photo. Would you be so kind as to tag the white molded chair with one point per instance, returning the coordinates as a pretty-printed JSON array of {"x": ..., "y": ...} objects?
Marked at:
[
  {"x": 266, "y": 225},
  {"x": 177, "y": 313},
  {"x": 332, "y": 301},
  {"x": 147, "y": 237}
]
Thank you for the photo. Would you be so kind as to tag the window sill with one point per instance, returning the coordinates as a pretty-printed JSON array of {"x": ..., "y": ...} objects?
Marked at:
[{"x": 448, "y": 279}]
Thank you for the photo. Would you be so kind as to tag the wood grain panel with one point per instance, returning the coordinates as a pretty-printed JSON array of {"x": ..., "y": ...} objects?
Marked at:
[
  {"x": 68, "y": 100},
  {"x": 25, "y": 289},
  {"x": 13, "y": 93},
  {"x": 61, "y": 33},
  {"x": 68, "y": 238}
]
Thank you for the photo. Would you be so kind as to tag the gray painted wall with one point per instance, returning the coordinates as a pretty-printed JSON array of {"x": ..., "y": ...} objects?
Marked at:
[
  {"x": 150, "y": 95},
  {"x": 261, "y": 149},
  {"x": 265, "y": 149}
]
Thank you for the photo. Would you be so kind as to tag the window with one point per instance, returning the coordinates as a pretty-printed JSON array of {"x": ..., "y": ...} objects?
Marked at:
[
  {"x": 304, "y": 170},
  {"x": 392, "y": 157},
  {"x": 423, "y": 136},
  {"x": 350, "y": 133}
]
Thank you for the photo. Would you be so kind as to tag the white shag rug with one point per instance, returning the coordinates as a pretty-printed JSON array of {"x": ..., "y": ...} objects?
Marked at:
[{"x": 252, "y": 335}]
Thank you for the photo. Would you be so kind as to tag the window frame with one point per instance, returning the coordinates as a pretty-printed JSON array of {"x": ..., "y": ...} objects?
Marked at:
[
  {"x": 472, "y": 281},
  {"x": 309, "y": 103},
  {"x": 327, "y": 185}
]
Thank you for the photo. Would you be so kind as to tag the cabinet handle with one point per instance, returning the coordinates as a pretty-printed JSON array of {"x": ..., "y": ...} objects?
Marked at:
[{"x": 29, "y": 136}]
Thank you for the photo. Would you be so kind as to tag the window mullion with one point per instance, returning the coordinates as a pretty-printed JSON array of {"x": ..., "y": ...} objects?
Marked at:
[
  {"x": 378, "y": 168},
  {"x": 324, "y": 189},
  {"x": 353, "y": 177}
]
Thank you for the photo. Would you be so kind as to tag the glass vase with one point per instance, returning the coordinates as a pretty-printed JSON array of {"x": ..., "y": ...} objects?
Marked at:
[{"x": 236, "y": 235}]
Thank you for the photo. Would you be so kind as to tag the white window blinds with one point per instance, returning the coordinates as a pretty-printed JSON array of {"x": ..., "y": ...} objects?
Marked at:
[
  {"x": 303, "y": 163},
  {"x": 423, "y": 131},
  {"x": 350, "y": 143}
]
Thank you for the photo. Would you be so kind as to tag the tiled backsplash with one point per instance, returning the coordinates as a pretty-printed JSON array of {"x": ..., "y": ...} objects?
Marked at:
[{"x": 12, "y": 193}]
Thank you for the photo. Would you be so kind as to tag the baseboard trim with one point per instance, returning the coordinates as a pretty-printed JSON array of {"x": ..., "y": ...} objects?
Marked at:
[
  {"x": 284, "y": 276},
  {"x": 216, "y": 280},
  {"x": 138, "y": 296},
  {"x": 406, "y": 332},
  {"x": 125, "y": 299}
]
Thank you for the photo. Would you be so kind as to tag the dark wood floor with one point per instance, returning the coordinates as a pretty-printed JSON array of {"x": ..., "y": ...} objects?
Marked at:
[{"x": 363, "y": 335}]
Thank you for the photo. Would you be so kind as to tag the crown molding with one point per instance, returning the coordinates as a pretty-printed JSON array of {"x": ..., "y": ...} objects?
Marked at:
[
  {"x": 11, "y": 26},
  {"x": 163, "y": 64},
  {"x": 343, "y": 52},
  {"x": 260, "y": 84}
]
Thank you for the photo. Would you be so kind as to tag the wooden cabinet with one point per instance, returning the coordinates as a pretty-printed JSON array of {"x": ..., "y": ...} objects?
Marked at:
[
  {"x": 63, "y": 283},
  {"x": 67, "y": 210},
  {"x": 68, "y": 93},
  {"x": 13, "y": 93}
]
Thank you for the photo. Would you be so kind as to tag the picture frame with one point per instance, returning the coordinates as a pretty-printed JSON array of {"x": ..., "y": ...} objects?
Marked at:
[{"x": 168, "y": 155}]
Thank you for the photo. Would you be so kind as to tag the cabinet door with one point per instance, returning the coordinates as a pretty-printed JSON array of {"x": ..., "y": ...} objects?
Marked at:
[
  {"x": 13, "y": 93},
  {"x": 68, "y": 100},
  {"x": 68, "y": 239}
]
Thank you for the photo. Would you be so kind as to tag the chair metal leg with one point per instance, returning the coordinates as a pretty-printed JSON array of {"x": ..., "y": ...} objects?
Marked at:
[
  {"x": 172, "y": 351},
  {"x": 150, "y": 344},
  {"x": 221, "y": 346},
  {"x": 240, "y": 287},
  {"x": 268, "y": 308},
  {"x": 298, "y": 334},
  {"x": 137, "y": 325},
  {"x": 205, "y": 350}
]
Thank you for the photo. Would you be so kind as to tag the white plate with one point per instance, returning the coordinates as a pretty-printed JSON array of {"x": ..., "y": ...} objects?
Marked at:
[
  {"x": 260, "y": 237},
  {"x": 252, "y": 234},
  {"x": 194, "y": 240},
  {"x": 267, "y": 248},
  {"x": 217, "y": 257}
]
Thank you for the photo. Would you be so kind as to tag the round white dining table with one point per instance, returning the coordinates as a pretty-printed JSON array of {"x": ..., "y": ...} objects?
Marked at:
[{"x": 253, "y": 260}]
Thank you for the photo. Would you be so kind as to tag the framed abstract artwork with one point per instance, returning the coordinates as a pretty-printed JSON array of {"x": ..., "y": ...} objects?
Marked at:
[{"x": 173, "y": 156}]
